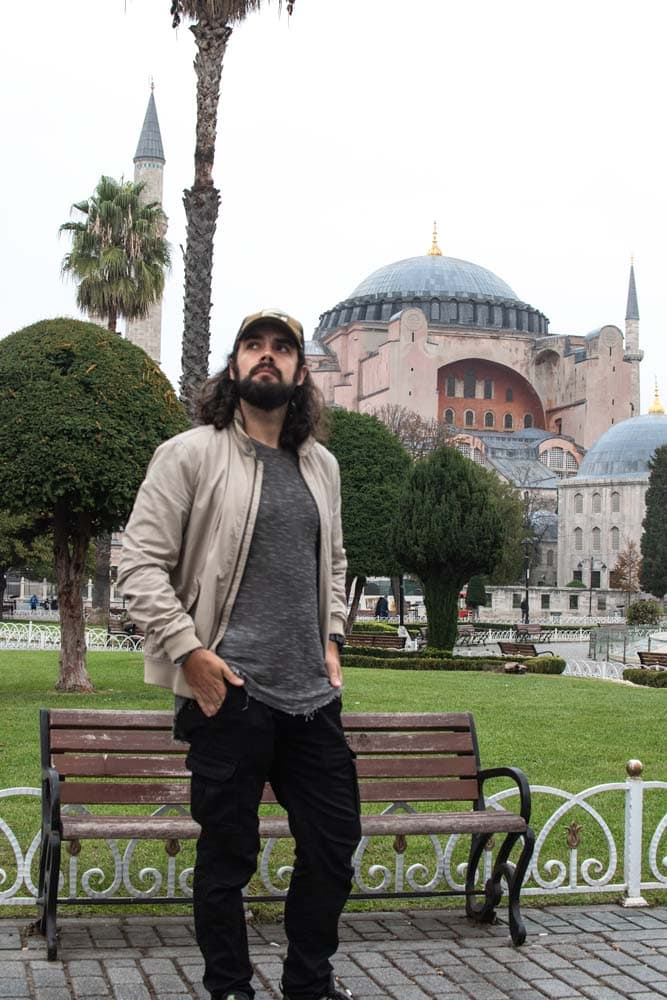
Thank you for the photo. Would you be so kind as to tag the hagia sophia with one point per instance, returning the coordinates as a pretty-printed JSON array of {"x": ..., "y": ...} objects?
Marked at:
[{"x": 557, "y": 415}]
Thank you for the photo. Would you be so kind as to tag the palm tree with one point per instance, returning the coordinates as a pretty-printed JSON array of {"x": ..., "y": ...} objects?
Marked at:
[
  {"x": 119, "y": 253},
  {"x": 212, "y": 28},
  {"x": 119, "y": 256}
]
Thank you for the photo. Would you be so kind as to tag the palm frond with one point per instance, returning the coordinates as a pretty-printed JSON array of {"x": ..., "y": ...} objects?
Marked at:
[{"x": 223, "y": 11}]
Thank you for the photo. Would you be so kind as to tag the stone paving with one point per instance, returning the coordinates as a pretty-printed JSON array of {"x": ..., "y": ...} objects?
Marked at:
[{"x": 600, "y": 952}]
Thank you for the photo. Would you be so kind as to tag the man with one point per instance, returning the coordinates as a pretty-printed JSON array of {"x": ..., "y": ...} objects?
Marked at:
[{"x": 233, "y": 566}]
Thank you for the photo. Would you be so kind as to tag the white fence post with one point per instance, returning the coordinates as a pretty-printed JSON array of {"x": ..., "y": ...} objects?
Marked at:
[{"x": 634, "y": 808}]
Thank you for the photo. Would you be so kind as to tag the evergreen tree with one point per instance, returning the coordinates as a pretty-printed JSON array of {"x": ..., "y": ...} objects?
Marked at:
[
  {"x": 373, "y": 469},
  {"x": 447, "y": 529},
  {"x": 653, "y": 575},
  {"x": 476, "y": 594},
  {"x": 81, "y": 412}
]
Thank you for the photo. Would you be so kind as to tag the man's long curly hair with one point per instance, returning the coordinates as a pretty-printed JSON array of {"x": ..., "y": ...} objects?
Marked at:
[{"x": 306, "y": 412}]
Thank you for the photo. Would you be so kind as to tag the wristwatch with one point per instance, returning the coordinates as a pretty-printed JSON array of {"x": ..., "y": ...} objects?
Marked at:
[{"x": 338, "y": 638}]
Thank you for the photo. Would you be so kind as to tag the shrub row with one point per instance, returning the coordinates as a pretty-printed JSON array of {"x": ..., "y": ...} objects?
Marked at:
[
  {"x": 647, "y": 678},
  {"x": 534, "y": 665}
]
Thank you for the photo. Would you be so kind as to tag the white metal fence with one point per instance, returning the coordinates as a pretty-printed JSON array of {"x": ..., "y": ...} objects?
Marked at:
[
  {"x": 610, "y": 838},
  {"x": 31, "y": 635}
]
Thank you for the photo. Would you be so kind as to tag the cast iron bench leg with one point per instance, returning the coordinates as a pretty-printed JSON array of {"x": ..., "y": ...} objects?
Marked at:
[
  {"x": 484, "y": 912},
  {"x": 48, "y": 894}
]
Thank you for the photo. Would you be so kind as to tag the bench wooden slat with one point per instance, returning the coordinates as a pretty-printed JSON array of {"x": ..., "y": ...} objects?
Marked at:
[
  {"x": 74, "y": 765},
  {"x": 410, "y": 743},
  {"x": 115, "y": 741},
  {"x": 124, "y": 792},
  {"x": 387, "y": 824},
  {"x": 411, "y": 790}
]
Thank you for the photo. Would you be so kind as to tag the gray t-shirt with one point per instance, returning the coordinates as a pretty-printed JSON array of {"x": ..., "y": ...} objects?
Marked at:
[{"x": 273, "y": 638}]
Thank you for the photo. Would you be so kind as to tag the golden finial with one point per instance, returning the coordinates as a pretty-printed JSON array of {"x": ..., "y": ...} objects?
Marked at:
[
  {"x": 656, "y": 406},
  {"x": 435, "y": 250}
]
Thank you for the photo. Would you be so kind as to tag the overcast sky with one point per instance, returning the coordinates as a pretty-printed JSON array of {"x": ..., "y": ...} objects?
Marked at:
[{"x": 533, "y": 132}]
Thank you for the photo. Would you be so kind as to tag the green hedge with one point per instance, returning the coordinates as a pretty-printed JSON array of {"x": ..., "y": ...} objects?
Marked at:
[
  {"x": 380, "y": 661},
  {"x": 384, "y": 628},
  {"x": 647, "y": 678}
]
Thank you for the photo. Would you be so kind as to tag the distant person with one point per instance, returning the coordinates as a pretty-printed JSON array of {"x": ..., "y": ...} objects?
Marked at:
[
  {"x": 54, "y": 603},
  {"x": 382, "y": 608},
  {"x": 524, "y": 611},
  {"x": 34, "y": 603}
]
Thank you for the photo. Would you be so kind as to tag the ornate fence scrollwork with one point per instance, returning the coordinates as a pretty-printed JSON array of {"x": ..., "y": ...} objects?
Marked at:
[{"x": 595, "y": 847}]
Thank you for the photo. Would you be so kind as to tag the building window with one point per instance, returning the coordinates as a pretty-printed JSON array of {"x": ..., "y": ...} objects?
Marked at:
[
  {"x": 602, "y": 602},
  {"x": 550, "y": 557},
  {"x": 615, "y": 539},
  {"x": 596, "y": 505},
  {"x": 574, "y": 602},
  {"x": 449, "y": 416},
  {"x": 571, "y": 465},
  {"x": 469, "y": 418},
  {"x": 596, "y": 579},
  {"x": 596, "y": 539},
  {"x": 578, "y": 541},
  {"x": 528, "y": 420},
  {"x": 507, "y": 422},
  {"x": 545, "y": 601},
  {"x": 578, "y": 575},
  {"x": 488, "y": 419},
  {"x": 478, "y": 456},
  {"x": 516, "y": 600},
  {"x": 469, "y": 384},
  {"x": 451, "y": 385},
  {"x": 509, "y": 394},
  {"x": 615, "y": 502},
  {"x": 578, "y": 503},
  {"x": 488, "y": 388}
]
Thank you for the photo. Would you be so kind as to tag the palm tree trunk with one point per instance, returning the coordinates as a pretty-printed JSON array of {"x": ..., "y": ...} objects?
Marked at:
[
  {"x": 69, "y": 551},
  {"x": 201, "y": 203}
]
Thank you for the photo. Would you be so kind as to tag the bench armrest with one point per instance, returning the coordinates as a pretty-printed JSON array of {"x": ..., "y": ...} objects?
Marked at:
[
  {"x": 517, "y": 775},
  {"x": 50, "y": 799}
]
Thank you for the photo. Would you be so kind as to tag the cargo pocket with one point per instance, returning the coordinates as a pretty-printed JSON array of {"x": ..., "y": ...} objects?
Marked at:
[{"x": 214, "y": 802}]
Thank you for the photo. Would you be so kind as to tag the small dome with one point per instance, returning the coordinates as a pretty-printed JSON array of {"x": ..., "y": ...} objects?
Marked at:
[
  {"x": 434, "y": 275},
  {"x": 625, "y": 449}
]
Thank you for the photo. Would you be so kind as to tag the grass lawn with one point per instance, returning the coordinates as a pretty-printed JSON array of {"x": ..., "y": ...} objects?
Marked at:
[{"x": 565, "y": 732}]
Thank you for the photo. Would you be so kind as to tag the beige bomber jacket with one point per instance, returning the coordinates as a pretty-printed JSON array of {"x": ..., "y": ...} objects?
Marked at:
[{"x": 186, "y": 543}]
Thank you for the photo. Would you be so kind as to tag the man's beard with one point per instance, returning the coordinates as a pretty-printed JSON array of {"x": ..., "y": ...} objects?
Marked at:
[{"x": 265, "y": 395}]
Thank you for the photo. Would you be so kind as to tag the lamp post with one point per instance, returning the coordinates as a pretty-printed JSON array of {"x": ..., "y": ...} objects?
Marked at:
[{"x": 590, "y": 582}]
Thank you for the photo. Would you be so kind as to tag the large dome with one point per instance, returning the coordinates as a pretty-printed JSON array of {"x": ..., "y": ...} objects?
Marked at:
[
  {"x": 623, "y": 452},
  {"x": 434, "y": 275}
]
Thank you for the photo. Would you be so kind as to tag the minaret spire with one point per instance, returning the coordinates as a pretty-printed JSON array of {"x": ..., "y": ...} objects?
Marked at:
[
  {"x": 435, "y": 250},
  {"x": 656, "y": 406},
  {"x": 149, "y": 168},
  {"x": 632, "y": 354}
]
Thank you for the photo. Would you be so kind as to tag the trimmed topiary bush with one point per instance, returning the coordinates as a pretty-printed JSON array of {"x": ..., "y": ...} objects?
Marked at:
[
  {"x": 648, "y": 612},
  {"x": 646, "y": 678},
  {"x": 380, "y": 660}
]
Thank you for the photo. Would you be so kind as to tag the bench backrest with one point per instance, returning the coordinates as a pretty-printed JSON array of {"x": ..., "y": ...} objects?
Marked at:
[
  {"x": 517, "y": 648},
  {"x": 648, "y": 658},
  {"x": 115, "y": 757}
]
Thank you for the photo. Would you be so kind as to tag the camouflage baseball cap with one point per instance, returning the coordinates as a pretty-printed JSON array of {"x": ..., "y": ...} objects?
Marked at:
[{"x": 272, "y": 317}]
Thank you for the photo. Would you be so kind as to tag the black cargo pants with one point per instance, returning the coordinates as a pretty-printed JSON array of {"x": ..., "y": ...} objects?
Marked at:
[{"x": 312, "y": 773}]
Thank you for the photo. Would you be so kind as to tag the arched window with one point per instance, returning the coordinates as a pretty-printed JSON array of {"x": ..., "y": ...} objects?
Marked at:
[
  {"x": 469, "y": 384},
  {"x": 488, "y": 419},
  {"x": 578, "y": 539},
  {"x": 615, "y": 539},
  {"x": 596, "y": 503},
  {"x": 451, "y": 385},
  {"x": 528, "y": 420},
  {"x": 507, "y": 422},
  {"x": 449, "y": 416},
  {"x": 488, "y": 388},
  {"x": 469, "y": 418},
  {"x": 571, "y": 464},
  {"x": 615, "y": 502},
  {"x": 578, "y": 503},
  {"x": 556, "y": 458},
  {"x": 550, "y": 557},
  {"x": 596, "y": 539},
  {"x": 509, "y": 394}
]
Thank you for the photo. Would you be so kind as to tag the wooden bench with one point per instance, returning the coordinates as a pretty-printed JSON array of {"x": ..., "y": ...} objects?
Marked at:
[
  {"x": 522, "y": 649},
  {"x": 385, "y": 640},
  {"x": 468, "y": 635},
  {"x": 648, "y": 658},
  {"x": 408, "y": 762},
  {"x": 124, "y": 629}
]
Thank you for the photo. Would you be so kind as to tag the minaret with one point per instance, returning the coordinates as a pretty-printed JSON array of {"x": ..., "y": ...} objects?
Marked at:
[
  {"x": 149, "y": 168},
  {"x": 632, "y": 353}
]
